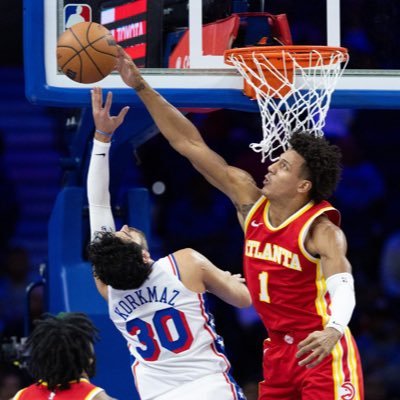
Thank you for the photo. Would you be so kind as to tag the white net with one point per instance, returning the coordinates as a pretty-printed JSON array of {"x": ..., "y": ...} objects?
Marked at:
[{"x": 293, "y": 94}]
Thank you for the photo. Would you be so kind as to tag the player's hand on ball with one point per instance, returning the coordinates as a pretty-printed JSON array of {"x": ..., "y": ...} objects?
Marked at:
[
  {"x": 105, "y": 123},
  {"x": 129, "y": 72},
  {"x": 316, "y": 346}
]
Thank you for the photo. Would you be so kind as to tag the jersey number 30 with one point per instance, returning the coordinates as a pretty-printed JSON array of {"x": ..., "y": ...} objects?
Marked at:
[{"x": 162, "y": 318}]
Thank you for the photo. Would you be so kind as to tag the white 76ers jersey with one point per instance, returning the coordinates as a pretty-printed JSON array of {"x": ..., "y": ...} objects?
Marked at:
[{"x": 169, "y": 333}]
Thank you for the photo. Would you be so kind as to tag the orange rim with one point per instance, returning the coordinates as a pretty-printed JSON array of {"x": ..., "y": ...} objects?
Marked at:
[
  {"x": 277, "y": 50},
  {"x": 282, "y": 58},
  {"x": 276, "y": 53}
]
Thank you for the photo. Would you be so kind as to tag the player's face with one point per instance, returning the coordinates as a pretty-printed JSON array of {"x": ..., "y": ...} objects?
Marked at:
[
  {"x": 284, "y": 177},
  {"x": 128, "y": 234},
  {"x": 131, "y": 235}
]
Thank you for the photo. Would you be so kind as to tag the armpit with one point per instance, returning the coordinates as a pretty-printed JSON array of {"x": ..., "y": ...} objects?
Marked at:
[{"x": 243, "y": 209}]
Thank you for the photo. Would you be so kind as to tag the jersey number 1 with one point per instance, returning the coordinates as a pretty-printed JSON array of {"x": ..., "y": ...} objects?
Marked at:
[
  {"x": 263, "y": 278},
  {"x": 145, "y": 333}
]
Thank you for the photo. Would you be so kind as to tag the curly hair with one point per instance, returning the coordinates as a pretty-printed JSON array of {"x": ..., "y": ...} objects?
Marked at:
[
  {"x": 322, "y": 163},
  {"x": 60, "y": 349},
  {"x": 117, "y": 263}
]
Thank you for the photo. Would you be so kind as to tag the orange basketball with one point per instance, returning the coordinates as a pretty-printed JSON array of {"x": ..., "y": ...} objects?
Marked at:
[{"x": 86, "y": 52}]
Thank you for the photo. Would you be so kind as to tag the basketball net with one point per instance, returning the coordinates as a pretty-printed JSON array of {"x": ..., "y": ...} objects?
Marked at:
[{"x": 293, "y": 86}]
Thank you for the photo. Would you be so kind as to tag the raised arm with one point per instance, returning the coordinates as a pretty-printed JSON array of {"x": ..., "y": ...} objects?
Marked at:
[
  {"x": 98, "y": 174},
  {"x": 100, "y": 214},
  {"x": 184, "y": 137}
]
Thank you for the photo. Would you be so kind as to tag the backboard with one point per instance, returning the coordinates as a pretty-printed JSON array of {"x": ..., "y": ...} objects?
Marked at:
[{"x": 149, "y": 32}]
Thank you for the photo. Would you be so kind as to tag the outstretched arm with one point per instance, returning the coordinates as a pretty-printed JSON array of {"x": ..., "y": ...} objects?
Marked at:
[
  {"x": 184, "y": 137},
  {"x": 98, "y": 175},
  {"x": 100, "y": 214}
]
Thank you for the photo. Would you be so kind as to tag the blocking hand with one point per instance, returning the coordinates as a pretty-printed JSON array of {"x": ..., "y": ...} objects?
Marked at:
[{"x": 129, "y": 72}]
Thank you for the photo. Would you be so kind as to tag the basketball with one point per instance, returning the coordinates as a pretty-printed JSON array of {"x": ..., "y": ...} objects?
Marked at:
[{"x": 86, "y": 52}]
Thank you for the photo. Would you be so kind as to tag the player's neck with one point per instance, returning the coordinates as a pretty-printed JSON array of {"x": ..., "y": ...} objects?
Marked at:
[{"x": 280, "y": 211}]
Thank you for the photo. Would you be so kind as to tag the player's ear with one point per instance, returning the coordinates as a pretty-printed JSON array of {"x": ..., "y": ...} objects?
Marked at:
[
  {"x": 304, "y": 186},
  {"x": 146, "y": 256}
]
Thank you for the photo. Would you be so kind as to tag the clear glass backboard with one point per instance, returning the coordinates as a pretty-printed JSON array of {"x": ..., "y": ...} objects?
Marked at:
[{"x": 168, "y": 40}]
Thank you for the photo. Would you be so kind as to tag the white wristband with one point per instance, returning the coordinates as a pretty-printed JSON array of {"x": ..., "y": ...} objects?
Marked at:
[{"x": 341, "y": 290}]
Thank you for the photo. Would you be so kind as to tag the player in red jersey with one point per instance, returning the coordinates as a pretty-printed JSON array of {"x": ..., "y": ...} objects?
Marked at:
[
  {"x": 61, "y": 359},
  {"x": 294, "y": 255}
]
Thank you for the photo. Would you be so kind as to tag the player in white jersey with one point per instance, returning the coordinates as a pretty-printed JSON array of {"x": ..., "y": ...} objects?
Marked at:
[{"x": 159, "y": 307}]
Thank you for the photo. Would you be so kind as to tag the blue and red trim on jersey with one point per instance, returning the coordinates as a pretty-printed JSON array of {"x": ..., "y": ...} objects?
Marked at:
[
  {"x": 217, "y": 346},
  {"x": 134, "y": 363},
  {"x": 174, "y": 266}
]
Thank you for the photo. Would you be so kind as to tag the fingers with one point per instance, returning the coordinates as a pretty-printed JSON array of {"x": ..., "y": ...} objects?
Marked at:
[
  {"x": 314, "y": 358},
  {"x": 316, "y": 361},
  {"x": 103, "y": 120},
  {"x": 120, "y": 58},
  {"x": 122, "y": 54},
  {"x": 121, "y": 115},
  {"x": 100, "y": 97},
  {"x": 311, "y": 360},
  {"x": 309, "y": 339},
  {"x": 304, "y": 348},
  {"x": 97, "y": 98},
  {"x": 107, "y": 105},
  {"x": 124, "y": 59},
  {"x": 307, "y": 347},
  {"x": 239, "y": 277},
  {"x": 315, "y": 347}
]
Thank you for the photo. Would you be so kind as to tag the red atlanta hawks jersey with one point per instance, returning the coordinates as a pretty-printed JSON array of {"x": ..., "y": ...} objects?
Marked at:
[
  {"x": 82, "y": 390},
  {"x": 285, "y": 281}
]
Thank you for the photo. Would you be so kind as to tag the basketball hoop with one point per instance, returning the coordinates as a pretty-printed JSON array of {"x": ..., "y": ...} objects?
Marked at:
[{"x": 293, "y": 86}]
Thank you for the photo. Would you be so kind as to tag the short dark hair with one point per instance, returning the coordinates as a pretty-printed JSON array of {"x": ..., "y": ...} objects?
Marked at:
[
  {"x": 117, "y": 263},
  {"x": 322, "y": 163},
  {"x": 60, "y": 349}
]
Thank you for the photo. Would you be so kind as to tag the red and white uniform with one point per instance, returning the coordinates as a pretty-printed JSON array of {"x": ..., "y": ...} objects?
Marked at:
[
  {"x": 82, "y": 390},
  {"x": 289, "y": 293},
  {"x": 177, "y": 353}
]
